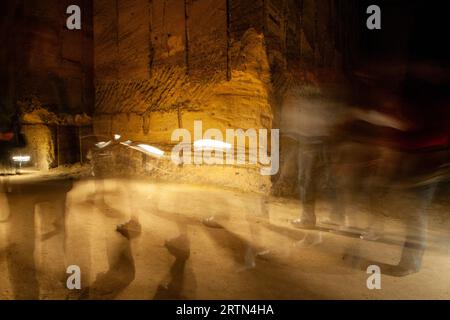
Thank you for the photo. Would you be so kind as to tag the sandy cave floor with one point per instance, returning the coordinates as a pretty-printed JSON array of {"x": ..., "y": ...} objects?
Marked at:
[{"x": 199, "y": 262}]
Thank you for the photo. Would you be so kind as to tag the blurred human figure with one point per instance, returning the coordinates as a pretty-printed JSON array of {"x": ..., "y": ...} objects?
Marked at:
[
  {"x": 23, "y": 197},
  {"x": 132, "y": 228},
  {"x": 425, "y": 150},
  {"x": 121, "y": 272},
  {"x": 106, "y": 158},
  {"x": 180, "y": 249},
  {"x": 257, "y": 214},
  {"x": 121, "y": 266},
  {"x": 420, "y": 161},
  {"x": 101, "y": 160},
  {"x": 308, "y": 118},
  {"x": 318, "y": 123}
]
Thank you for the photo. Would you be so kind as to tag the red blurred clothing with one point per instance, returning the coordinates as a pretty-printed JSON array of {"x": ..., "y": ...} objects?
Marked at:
[{"x": 6, "y": 136}]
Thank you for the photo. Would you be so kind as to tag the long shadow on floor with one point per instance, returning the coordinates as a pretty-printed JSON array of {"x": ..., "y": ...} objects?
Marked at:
[
  {"x": 265, "y": 277},
  {"x": 110, "y": 284}
]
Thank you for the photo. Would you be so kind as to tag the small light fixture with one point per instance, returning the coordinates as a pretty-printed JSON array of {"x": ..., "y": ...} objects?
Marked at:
[
  {"x": 21, "y": 159},
  {"x": 117, "y": 137},
  {"x": 211, "y": 145},
  {"x": 102, "y": 144},
  {"x": 151, "y": 150},
  {"x": 127, "y": 143}
]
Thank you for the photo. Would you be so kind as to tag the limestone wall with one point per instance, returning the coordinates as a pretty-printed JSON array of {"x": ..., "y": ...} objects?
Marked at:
[
  {"x": 163, "y": 64},
  {"x": 54, "y": 64},
  {"x": 41, "y": 146},
  {"x": 46, "y": 76}
]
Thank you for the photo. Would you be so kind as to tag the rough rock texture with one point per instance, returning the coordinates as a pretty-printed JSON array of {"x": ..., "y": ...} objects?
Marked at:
[
  {"x": 160, "y": 65},
  {"x": 53, "y": 64},
  {"x": 127, "y": 161},
  {"x": 34, "y": 113},
  {"x": 163, "y": 64},
  {"x": 40, "y": 146},
  {"x": 46, "y": 74},
  {"x": 152, "y": 109}
]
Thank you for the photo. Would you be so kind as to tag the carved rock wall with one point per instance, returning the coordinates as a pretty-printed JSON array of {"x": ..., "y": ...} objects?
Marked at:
[
  {"x": 45, "y": 69},
  {"x": 163, "y": 64}
]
